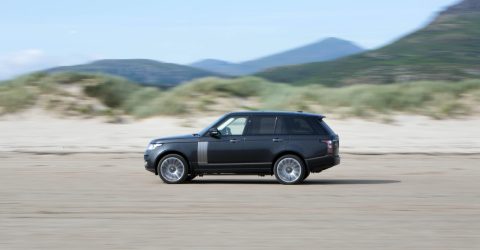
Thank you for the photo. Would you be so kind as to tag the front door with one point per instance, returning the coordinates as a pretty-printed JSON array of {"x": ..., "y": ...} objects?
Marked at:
[{"x": 225, "y": 151}]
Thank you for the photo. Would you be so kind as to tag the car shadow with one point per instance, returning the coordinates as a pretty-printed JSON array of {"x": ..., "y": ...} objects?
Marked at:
[
  {"x": 306, "y": 182},
  {"x": 350, "y": 182}
]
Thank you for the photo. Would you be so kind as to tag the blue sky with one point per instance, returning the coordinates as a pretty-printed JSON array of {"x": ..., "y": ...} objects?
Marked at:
[{"x": 40, "y": 34}]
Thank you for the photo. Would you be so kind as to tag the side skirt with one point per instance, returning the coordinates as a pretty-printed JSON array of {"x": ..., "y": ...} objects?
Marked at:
[{"x": 234, "y": 168}]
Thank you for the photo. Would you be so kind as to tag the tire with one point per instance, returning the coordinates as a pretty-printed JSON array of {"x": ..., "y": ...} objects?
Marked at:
[
  {"x": 307, "y": 173},
  {"x": 289, "y": 169},
  {"x": 190, "y": 177},
  {"x": 172, "y": 169}
]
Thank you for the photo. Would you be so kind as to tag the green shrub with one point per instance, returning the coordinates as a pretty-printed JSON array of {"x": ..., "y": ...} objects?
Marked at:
[
  {"x": 15, "y": 100},
  {"x": 112, "y": 92},
  {"x": 16, "y": 96}
]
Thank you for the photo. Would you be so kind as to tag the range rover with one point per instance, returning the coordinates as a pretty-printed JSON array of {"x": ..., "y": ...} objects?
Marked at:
[{"x": 289, "y": 145}]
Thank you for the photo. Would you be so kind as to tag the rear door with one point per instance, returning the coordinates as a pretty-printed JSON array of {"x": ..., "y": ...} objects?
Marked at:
[
  {"x": 303, "y": 137},
  {"x": 261, "y": 143}
]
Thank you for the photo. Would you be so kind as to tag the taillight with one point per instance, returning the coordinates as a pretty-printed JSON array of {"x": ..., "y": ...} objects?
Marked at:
[{"x": 329, "y": 146}]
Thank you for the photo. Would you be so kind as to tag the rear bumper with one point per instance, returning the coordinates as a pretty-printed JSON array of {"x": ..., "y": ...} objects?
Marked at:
[{"x": 319, "y": 164}]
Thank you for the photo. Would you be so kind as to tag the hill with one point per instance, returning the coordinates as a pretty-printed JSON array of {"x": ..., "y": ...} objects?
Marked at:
[
  {"x": 446, "y": 49},
  {"x": 142, "y": 71},
  {"x": 324, "y": 50}
]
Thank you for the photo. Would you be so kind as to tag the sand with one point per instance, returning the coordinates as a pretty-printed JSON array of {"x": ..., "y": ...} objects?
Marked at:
[
  {"x": 80, "y": 184},
  {"x": 37, "y": 131},
  {"x": 108, "y": 201}
]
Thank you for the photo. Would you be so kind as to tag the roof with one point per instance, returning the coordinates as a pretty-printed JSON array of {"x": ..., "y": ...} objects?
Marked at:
[{"x": 298, "y": 113}]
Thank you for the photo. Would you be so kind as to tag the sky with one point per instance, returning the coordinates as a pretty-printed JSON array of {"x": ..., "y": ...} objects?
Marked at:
[{"x": 40, "y": 34}]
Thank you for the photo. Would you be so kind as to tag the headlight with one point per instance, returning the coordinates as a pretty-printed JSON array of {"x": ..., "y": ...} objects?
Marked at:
[{"x": 153, "y": 146}]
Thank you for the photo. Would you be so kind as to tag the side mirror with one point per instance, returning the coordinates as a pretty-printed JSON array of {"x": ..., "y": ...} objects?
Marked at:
[{"x": 213, "y": 132}]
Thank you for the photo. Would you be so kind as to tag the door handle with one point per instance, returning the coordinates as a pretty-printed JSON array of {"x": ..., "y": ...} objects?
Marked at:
[
  {"x": 277, "y": 140},
  {"x": 233, "y": 140}
]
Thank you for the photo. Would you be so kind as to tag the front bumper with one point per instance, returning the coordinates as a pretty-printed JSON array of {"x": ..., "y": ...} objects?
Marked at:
[
  {"x": 149, "y": 161},
  {"x": 149, "y": 167}
]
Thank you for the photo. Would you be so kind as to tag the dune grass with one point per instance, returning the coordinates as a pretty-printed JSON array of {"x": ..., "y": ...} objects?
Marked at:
[
  {"x": 22, "y": 92},
  {"x": 436, "y": 99}
]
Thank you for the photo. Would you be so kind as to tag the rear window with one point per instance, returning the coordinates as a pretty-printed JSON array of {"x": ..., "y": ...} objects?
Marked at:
[
  {"x": 294, "y": 126},
  {"x": 261, "y": 125}
]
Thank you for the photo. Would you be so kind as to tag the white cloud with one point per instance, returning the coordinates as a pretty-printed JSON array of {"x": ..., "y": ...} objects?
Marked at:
[
  {"x": 72, "y": 32},
  {"x": 25, "y": 57},
  {"x": 30, "y": 60},
  {"x": 22, "y": 61}
]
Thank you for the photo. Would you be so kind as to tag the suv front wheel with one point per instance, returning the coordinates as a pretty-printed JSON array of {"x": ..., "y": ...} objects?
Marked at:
[
  {"x": 172, "y": 169},
  {"x": 289, "y": 169}
]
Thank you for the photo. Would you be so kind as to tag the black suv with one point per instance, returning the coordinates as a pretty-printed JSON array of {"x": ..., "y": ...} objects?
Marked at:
[{"x": 290, "y": 145}]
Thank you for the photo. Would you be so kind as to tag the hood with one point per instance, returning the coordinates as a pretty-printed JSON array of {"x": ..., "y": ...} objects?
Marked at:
[{"x": 178, "y": 138}]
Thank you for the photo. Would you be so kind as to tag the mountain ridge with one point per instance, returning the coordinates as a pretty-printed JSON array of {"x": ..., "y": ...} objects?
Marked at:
[
  {"x": 323, "y": 50},
  {"x": 143, "y": 71},
  {"x": 465, "y": 6},
  {"x": 446, "y": 49}
]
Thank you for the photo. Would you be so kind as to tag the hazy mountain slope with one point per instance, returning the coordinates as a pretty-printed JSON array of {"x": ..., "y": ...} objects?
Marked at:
[
  {"x": 223, "y": 67},
  {"x": 143, "y": 71},
  {"x": 447, "y": 49},
  {"x": 324, "y": 50}
]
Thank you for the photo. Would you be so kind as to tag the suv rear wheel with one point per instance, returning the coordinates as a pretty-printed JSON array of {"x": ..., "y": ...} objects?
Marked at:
[
  {"x": 289, "y": 169},
  {"x": 172, "y": 169}
]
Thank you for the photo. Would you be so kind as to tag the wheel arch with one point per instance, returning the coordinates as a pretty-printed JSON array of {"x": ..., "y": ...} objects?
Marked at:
[
  {"x": 167, "y": 152},
  {"x": 289, "y": 152}
]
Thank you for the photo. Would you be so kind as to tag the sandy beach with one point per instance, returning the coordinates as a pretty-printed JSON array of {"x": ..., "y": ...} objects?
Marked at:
[
  {"x": 80, "y": 184},
  {"x": 108, "y": 201},
  {"x": 37, "y": 131}
]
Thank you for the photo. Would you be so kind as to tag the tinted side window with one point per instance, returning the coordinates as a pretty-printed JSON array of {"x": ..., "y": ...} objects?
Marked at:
[
  {"x": 294, "y": 126},
  {"x": 300, "y": 126},
  {"x": 323, "y": 128},
  {"x": 261, "y": 125}
]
